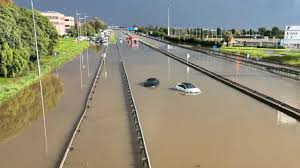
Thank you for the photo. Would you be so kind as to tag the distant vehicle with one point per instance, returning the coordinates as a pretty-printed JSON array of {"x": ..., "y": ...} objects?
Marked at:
[
  {"x": 187, "y": 88},
  {"x": 98, "y": 40},
  {"x": 151, "y": 82}
]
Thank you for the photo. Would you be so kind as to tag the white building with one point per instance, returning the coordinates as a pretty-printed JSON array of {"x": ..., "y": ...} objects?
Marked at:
[
  {"x": 69, "y": 22},
  {"x": 60, "y": 21},
  {"x": 292, "y": 36}
]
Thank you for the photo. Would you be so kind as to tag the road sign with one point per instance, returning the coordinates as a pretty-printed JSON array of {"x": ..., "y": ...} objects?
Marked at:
[{"x": 130, "y": 28}]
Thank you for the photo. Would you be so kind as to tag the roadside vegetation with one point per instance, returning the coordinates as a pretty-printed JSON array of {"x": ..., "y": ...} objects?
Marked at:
[
  {"x": 18, "y": 61},
  {"x": 112, "y": 38},
  {"x": 281, "y": 56},
  {"x": 66, "y": 50},
  {"x": 89, "y": 28},
  {"x": 17, "y": 54},
  {"x": 185, "y": 39},
  {"x": 222, "y": 38}
]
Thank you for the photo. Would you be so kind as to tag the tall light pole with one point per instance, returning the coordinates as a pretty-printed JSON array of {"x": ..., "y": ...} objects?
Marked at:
[
  {"x": 168, "y": 19},
  {"x": 39, "y": 73},
  {"x": 78, "y": 35},
  {"x": 169, "y": 6},
  {"x": 77, "y": 20}
]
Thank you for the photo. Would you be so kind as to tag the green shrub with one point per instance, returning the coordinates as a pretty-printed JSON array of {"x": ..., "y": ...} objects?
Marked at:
[
  {"x": 17, "y": 42},
  {"x": 194, "y": 41}
]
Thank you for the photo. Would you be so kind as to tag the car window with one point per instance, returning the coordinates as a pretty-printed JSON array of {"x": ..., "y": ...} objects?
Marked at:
[
  {"x": 189, "y": 86},
  {"x": 182, "y": 86}
]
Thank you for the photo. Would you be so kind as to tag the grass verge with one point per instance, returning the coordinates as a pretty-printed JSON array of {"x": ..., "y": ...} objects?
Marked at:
[
  {"x": 112, "y": 38},
  {"x": 66, "y": 49},
  {"x": 281, "y": 56}
]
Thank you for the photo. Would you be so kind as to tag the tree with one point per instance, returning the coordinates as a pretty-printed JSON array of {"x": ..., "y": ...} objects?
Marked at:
[
  {"x": 16, "y": 34},
  {"x": 237, "y": 33},
  {"x": 98, "y": 24},
  {"x": 275, "y": 32},
  {"x": 244, "y": 32},
  {"x": 268, "y": 33},
  {"x": 72, "y": 31},
  {"x": 262, "y": 31},
  {"x": 228, "y": 37},
  {"x": 219, "y": 31},
  {"x": 88, "y": 29}
]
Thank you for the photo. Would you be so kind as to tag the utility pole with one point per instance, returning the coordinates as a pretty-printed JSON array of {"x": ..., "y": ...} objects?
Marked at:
[
  {"x": 39, "y": 73},
  {"x": 169, "y": 19},
  {"x": 169, "y": 6},
  {"x": 77, "y": 18}
]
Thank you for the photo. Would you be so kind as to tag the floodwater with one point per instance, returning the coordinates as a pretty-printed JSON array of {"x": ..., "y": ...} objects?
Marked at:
[
  {"x": 104, "y": 139},
  {"x": 24, "y": 141},
  {"x": 276, "y": 86},
  {"x": 220, "y": 128}
]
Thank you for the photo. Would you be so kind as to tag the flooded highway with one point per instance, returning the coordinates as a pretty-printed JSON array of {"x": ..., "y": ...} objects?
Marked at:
[
  {"x": 276, "y": 86},
  {"x": 220, "y": 128},
  {"x": 24, "y": 141},
  {"x": 104, "y": 139}
]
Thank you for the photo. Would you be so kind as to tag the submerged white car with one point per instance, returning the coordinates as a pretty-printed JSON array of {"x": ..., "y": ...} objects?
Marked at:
[{"x": 187, "y": 88}]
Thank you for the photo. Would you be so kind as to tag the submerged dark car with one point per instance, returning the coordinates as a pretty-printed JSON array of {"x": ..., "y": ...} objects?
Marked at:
[{"x": 151, "y": 82}]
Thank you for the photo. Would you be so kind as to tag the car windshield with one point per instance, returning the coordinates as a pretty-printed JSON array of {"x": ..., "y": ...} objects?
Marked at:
[
  {"x": 151, "y": 80},
  {"x": 188, "y": 85}
]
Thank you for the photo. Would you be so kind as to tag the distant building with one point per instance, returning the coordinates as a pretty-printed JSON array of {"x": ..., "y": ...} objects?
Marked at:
[
  {"x": 292, "y": 36},
  {"x": 60, "y": 21},
  {"x": 57, "y": 19},
  {"x": 69, "y": 22}
]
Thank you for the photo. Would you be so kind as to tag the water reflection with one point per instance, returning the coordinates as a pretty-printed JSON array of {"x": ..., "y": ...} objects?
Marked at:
[
  {"x": 169, "y": 69},
  {"x": 96, "y": 49},
  {"x": 283, "y": 119},
  {"x": 80, "y": 69},
  {"x": 88, "y": 63},
  {"x": 104, "y": 68},
  {"x": 19, "y": 112}
]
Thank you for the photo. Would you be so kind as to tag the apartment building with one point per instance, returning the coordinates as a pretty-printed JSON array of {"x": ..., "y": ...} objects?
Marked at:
[
  {"x": 69, "y": 22},
  {"x": 60, "y": 21}
]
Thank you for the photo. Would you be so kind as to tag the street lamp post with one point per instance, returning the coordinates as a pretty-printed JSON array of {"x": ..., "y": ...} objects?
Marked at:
[
  {"x": 39, "y": 74},
  {"x": 77, "y": 18},
  {"x": 169, "y": 6},
  {"x": 168, "y": 19}
]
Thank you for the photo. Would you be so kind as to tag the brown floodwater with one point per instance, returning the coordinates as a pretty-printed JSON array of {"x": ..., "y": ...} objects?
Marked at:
[
  {"x": 104, "y": 139},
  {"x": 220, "y": 128},
  {"x": 24, "y": 141},
  {"x": 279, "y": 87}
]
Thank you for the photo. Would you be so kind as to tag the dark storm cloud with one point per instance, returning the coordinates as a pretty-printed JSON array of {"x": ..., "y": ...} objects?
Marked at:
[{"x": 208, "y": 13}]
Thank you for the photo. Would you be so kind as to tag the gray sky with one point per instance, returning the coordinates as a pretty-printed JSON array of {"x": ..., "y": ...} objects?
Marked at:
[{"x": 184, "y": 13}]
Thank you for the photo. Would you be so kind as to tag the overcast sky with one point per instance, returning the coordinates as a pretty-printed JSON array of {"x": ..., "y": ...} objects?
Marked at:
[{"x": 184, "y": 13}]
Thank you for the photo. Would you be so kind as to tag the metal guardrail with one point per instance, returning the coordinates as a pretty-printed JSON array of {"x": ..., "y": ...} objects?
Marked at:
[
  {"x": 142, "y": 147},
  {"x": 290, "y": 73},
  {"x": 287, "y": 109},
  {"x": 76, "y": 129}
]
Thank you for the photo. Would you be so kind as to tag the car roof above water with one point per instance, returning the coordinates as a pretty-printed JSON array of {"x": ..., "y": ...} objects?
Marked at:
[{"x": 151, "y": 79}]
